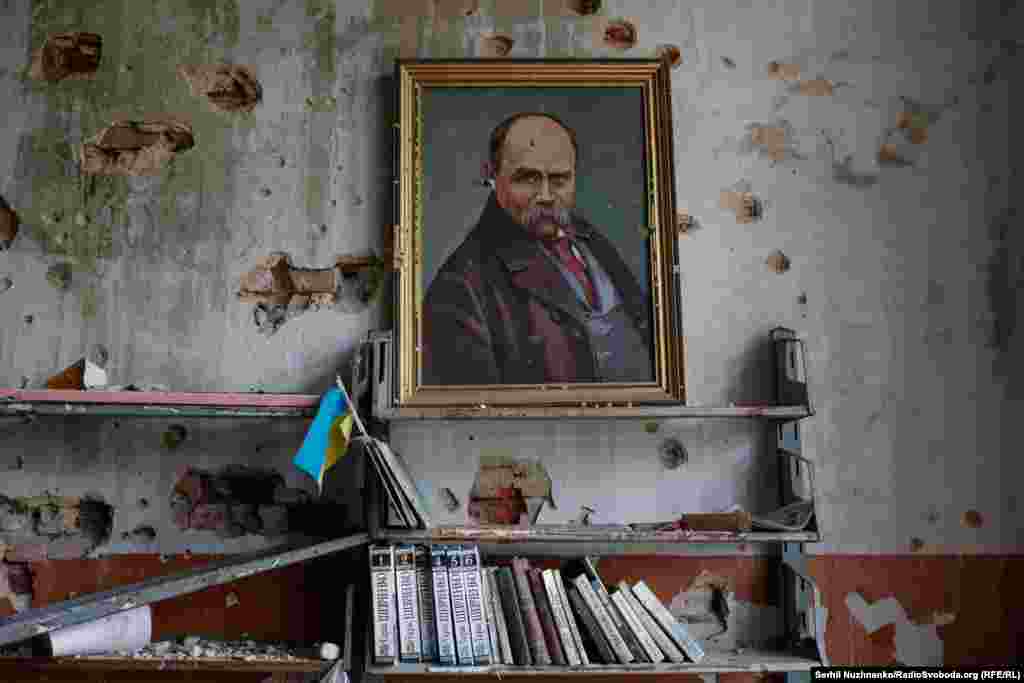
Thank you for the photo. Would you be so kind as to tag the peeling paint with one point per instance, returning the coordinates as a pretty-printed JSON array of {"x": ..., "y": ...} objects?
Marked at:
[
  {"x": 323, "y": 38},
  {"x": 916, "y": 644}
]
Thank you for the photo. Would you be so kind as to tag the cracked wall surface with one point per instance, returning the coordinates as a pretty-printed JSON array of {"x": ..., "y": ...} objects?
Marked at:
[{"x": 874, "y": 144}]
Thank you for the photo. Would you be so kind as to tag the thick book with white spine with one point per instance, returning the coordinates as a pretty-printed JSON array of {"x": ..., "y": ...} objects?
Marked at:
[
  {"x": 460, "y": 618},
  {"x": 475, "y": 606},
  {"x": 409, "y": 644},
  {"x": 504, "y": 643},
  {"x": 428, "y": 623},
  {"x": 677, "y": 631},
  {"x": 665, "y": 643},
  {"x": 654, "y": 653},
  {"x": 492, "y": 624},
  {"x": 573, "y": 624},
  {"x": 604, "y": 620},
  {"x": 572, "y": 654},
  {"x": 442, "y": 605},
  {"x": 382, "y": 585}
]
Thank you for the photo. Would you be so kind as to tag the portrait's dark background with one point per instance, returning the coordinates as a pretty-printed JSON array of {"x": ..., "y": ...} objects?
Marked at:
[{"x": 610, "y": 184}]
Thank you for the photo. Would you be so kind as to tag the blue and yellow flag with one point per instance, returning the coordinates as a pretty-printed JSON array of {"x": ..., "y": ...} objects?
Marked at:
[{"x": 327, "y": 439}]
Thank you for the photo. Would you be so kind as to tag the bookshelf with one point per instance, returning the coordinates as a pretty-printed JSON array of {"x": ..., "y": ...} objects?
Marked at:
[{"x": 802, "y": 645}]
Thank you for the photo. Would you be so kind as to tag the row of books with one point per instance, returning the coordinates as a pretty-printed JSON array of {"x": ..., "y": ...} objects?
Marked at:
[{"x": 438, "y": 604}]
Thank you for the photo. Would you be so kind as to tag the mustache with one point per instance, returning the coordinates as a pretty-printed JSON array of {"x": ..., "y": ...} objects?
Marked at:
[{"x": 538, "y": 215}]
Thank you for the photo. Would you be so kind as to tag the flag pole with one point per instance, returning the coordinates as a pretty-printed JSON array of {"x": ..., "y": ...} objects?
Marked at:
[{"x": 351, "y": 406}]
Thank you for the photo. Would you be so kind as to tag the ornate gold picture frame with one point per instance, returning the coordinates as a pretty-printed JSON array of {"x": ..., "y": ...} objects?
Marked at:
[{"x": 536, "y": 234}]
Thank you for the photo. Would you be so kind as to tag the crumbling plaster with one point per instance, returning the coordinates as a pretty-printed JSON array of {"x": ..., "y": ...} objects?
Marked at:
[{"x": 910, "y": 289}]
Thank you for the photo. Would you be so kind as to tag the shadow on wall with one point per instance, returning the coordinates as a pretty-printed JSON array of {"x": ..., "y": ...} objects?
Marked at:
[{"x": 752, "y": 375}]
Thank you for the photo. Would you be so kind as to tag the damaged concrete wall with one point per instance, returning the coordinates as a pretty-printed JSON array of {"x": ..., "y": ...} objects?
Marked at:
[{"x": 864, "y": 155}]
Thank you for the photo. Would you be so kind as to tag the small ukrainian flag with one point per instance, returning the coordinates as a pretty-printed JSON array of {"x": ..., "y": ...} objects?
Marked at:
[{"x": 327, "y": 439}]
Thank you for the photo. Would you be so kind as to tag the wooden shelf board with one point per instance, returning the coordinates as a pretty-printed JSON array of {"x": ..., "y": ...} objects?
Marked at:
[
  {"x": 591, "y": 534},
  {"x": 596, "y": 412},
  {"x": 713, "y": 662},
  {"x": 97, "y": 663}
]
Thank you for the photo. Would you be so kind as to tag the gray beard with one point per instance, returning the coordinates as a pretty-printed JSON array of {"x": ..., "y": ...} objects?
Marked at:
[{"x": 537, "y": 217}]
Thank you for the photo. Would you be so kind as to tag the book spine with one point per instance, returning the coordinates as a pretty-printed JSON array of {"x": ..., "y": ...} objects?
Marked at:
[
  {"x": 654, "y": 653},
  {"x": 475, "y": 606},
  {"x": 428, "y": 621},
  {"x": 660, "y": 637},
  {"x": 350, "y": 612},
  {"x": 547, "y": 617},
  {"x": 408, "y": 604},
  {"x": 499, "y": 614},
  {"x": 531, "y": 618},
  {"x": 490, "y": 616},
  {"x": 460, "y": 620},
  {"x": 572, "y": 655},
  {"x": 604, "y": 620},
  {"x": 677, "y": 631},
  {"x": 639, "y": 655},
  {"x": 579, "y": 605},
  {"x": 577, "y": 637},
  {"x": 513, "y": 617},
  {"x": 442, "y": 606},
  {"x": 396, "y": 466},
  {"x": 382, "y": 580}
]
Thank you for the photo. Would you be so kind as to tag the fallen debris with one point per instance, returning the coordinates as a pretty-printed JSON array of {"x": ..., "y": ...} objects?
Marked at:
[
  {"x": 131, "y": 148},
  {"x": 620, "y": 34},
  {"x": 8, "y": 225},
  {"x": 777, "y": 262},
  {"x": 67, "y": 55},
  {"x": 495, "y": 45},
  {"x": 227, "y": 87}
]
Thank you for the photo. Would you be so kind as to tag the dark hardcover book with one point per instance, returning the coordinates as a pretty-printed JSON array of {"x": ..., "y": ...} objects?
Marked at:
[
  {"x": 547, "y": 619},
  {"x": 588, "y": 568},
  {"x": 513, "y": 617},
  {"x": 594, "y": 638},
  {"x": 531, "y": 617}
]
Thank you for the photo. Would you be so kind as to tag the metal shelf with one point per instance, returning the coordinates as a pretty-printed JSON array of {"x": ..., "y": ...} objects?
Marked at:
[
  {"x": 782, "y": 413},
  {"x": 558, "y": 533},
  {"x": 713, "y": 662},
  {"x": 155, "y": 403}
]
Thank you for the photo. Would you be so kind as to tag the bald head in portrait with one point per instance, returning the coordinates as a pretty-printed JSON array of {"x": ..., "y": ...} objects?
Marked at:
[{"x": 535, "y": 294}]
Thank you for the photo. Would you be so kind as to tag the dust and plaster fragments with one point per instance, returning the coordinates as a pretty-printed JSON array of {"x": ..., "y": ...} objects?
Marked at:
[{"x": 131, "y": 148}]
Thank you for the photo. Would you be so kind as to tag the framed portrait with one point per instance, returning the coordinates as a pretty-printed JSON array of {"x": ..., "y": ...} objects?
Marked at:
[{"x": 536, "y": 234}]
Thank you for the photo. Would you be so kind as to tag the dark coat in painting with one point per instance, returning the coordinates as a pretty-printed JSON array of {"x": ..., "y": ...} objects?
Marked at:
[{"x": 500, "y": 312}]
